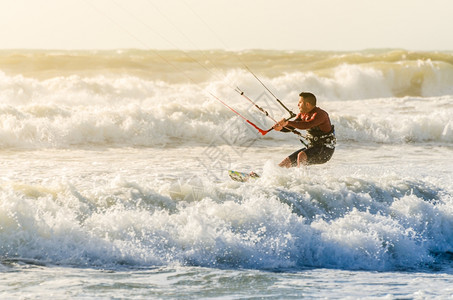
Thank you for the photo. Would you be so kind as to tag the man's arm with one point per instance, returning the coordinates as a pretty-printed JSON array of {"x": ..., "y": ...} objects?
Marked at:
[
  {"x": 317, "y": 119},
  {"x": 283, "y": 126}
]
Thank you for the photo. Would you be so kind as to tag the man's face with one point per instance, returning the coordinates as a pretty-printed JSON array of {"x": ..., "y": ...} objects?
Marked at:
[{"x": 304, "y": 107}]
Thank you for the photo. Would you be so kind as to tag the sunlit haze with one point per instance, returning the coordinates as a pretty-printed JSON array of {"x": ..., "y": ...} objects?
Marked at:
[{"x": 226, "y": 24}]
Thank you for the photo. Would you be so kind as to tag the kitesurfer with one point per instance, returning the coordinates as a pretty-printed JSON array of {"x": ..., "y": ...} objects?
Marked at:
[{"x": 321, "y": 133}]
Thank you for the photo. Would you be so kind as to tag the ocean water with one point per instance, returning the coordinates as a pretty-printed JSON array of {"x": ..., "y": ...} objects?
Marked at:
[{"x": 114, "y": 181}]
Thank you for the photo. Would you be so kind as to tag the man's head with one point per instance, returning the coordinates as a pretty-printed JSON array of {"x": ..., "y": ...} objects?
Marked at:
[{"x": 307, "y": 102}]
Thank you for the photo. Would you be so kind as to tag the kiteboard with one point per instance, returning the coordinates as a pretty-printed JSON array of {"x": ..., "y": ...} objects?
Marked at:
[{"x": 242, "y": 176}]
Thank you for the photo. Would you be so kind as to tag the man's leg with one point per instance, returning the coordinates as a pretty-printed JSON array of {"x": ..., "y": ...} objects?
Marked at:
[
  {"x": 292, "y": 160},
  {"x": 286, "y": 163},
  {"x": 302, "y": 159}
]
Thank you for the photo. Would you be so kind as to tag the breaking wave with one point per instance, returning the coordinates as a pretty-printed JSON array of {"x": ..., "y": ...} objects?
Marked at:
[
  {"x": 284, "y": 220},
  {"x": 130, "y": 98}
]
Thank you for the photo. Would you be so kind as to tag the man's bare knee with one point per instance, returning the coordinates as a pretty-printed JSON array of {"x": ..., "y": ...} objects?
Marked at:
[
  {"x": 286, "y": 163},
  {"x": 302, "y": 159}
]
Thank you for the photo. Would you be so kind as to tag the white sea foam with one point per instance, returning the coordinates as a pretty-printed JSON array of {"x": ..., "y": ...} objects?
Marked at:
[
  {"x": 70, "y": 111},
  {"x": 111, "y": 167},
  {"x": 283, "y": 220}
]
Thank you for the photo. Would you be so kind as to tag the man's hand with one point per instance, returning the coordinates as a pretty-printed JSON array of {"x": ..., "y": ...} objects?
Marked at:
[{"x": 279, "y": 125}]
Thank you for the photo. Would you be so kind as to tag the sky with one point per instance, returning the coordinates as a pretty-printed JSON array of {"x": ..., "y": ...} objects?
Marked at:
[{"x": 342, "y": 25}]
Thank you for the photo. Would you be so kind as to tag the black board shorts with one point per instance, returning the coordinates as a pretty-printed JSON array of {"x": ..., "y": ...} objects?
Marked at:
[{"x": 315, "y": 155}]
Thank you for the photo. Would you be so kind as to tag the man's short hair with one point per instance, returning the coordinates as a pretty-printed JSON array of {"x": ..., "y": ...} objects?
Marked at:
[{"x": 309, "y": 97}]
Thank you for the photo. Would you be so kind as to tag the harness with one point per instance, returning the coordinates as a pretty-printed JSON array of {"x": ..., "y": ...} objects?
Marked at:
[{"x": 316, "y": 137}]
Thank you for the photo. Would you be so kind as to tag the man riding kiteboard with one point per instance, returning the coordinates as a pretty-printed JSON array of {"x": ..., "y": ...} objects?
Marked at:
[{"x": 321, "y": 133}]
